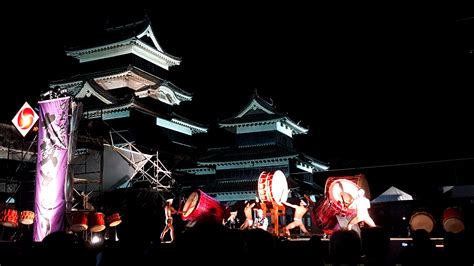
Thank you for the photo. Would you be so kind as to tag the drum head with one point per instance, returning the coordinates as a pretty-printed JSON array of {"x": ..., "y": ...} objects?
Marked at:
[
  {"x": 453, "y": 225},
  {"x": 190, "y": 204},
  {"x": 453, "y": 220},
  {"x": 114, "y": 219},
  {"x": 279, "y": 187},
  {"x": 343, "y": 191},
  {"x": 422, "y": 220}
]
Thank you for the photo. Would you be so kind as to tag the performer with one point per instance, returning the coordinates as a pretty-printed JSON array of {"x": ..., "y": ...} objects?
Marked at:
[
  {"x": 300, "y": 211},
  {"x": 261, "y": 221},
  {"x": 361, "y": 204},
  {"x": 169, "y": 211},
  {"x": 232, "y": 221},
  {"x": 248, "y": 216}
]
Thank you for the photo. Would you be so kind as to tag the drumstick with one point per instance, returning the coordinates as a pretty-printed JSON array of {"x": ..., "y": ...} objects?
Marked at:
[
  {"x": 180, "y": 204},
  {"x": 342, "y": 189},
  {"x": 282, "y": 193}
]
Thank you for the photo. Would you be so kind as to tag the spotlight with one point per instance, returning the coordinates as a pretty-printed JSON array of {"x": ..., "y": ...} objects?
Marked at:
[{"x": 96, "y": 239}]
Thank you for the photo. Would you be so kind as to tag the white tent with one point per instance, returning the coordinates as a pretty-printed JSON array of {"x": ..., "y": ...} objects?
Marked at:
[
  {"x": 119, "y": 167},
  {"x": 466, "y": 191},
  {"x": 392, "y": 194}
]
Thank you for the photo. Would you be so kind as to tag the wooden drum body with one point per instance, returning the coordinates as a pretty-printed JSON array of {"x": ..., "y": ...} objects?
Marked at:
[
  {"x": 27, "y": 217},
  {"x": 199, "y": 205},
  {"x": 79, "y": 221},
  {"x": 9, "y": 217},
  {"x": 96, "y": 222}
]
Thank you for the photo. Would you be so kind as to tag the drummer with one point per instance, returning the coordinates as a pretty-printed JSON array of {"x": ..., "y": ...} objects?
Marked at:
[
  {"x": 361, "y": 205},
  {"x": 300, "y": 211},
  {"x": 169, "y": 211},
  {"x": 248, "y": 216}
]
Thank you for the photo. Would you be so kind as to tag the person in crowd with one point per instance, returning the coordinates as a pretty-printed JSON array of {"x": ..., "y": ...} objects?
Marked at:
[
  {"x": 261, "y": 221},
  {"x": 232, "y": 221}
]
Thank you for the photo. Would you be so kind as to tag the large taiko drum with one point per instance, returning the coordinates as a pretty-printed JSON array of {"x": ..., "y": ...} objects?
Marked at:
[
  {"x": 199, "y": 205},
  {"x": 9, "y": 217},
  {"x": 79, "y": 221},
  {"x": 272, "y": 187},
  {"x": 96, "y": 222},
  {"x": 27, "y": 217},
  {"x": 339, "y": 194},
  {"x": 453, "y": 220},
  {"x": 422, "y": 220},
  {"x": 114, "y": 219}
]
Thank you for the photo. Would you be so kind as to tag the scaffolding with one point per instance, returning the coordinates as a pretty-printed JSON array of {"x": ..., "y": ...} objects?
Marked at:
[
  {"x": 146, "y": 167},
  {"x": 19, "y": 156},
  {"x": 113, "y": 164}
]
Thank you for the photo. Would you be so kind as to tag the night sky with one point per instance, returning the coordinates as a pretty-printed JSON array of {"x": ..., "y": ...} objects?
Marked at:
[{"x": 374, "y": 87}]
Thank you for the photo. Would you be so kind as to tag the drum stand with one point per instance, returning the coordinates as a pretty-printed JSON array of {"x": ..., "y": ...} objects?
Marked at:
[
  {"x": 276, "y": 212},
  {"x": 108, "y": 235},
  {"x": 21, "y": 231}
]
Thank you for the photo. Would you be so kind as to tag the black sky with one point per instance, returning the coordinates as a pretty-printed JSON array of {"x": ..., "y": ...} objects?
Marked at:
[{"x": 375, "y": 85}]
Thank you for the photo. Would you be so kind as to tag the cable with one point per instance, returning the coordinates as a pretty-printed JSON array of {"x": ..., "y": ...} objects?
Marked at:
[{"x": 398, "y": 164}]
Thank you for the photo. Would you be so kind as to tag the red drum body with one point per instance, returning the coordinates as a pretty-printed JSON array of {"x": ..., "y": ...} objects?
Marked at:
[
  {"x": 79, "y": 221},
  {"x": 114, "y": 219},
  {"x": 272, "y": 187},
  {"x": 199, "y": 205},
  {"x": 9, "y": 218},
  {"x": 27, "y": 217},
  {"x": 453, "y": 220},
  {"x": 96, "y": 222},
  {"x": 422, "y": 220},
  {"x": 324, "y": 215}
]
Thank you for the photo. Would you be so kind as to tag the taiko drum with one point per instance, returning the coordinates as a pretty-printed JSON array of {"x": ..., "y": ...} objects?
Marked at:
[
  {"x": 453, "y": 220},
  {"x": 27, "y": 217},
  {"x": 114, "y": 219},
  {"x": 273, "y": 187},
  {"x": 96, "y": 222},
  {"x": 422, "y": 220},
  {"x": 9, "y": 217},
  {"x": 79, "y": 221},
  {"x": 199, "y": 205}
]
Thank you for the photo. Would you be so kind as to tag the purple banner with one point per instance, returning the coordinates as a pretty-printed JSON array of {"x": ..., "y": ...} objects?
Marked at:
[{"x": 51, "y": 167}]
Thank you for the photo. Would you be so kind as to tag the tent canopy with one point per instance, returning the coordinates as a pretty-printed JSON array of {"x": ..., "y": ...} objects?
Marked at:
[
  {"x": 392, "y": 194},
  {"x": 119, "y": 167},
  {"x": 458, "y": 191}
]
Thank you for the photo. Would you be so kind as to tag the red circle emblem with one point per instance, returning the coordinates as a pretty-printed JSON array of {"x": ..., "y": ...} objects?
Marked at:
[{"x": 26, "y": 118}]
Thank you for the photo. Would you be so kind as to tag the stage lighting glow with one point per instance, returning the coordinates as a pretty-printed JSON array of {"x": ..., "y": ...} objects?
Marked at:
[{"x": 95, "y": 240}]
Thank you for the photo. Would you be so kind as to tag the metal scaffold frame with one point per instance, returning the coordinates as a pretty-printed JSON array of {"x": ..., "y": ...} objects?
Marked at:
[
  {"x": 12, "y": 180},
  {"x": 152, "y": 170}
]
